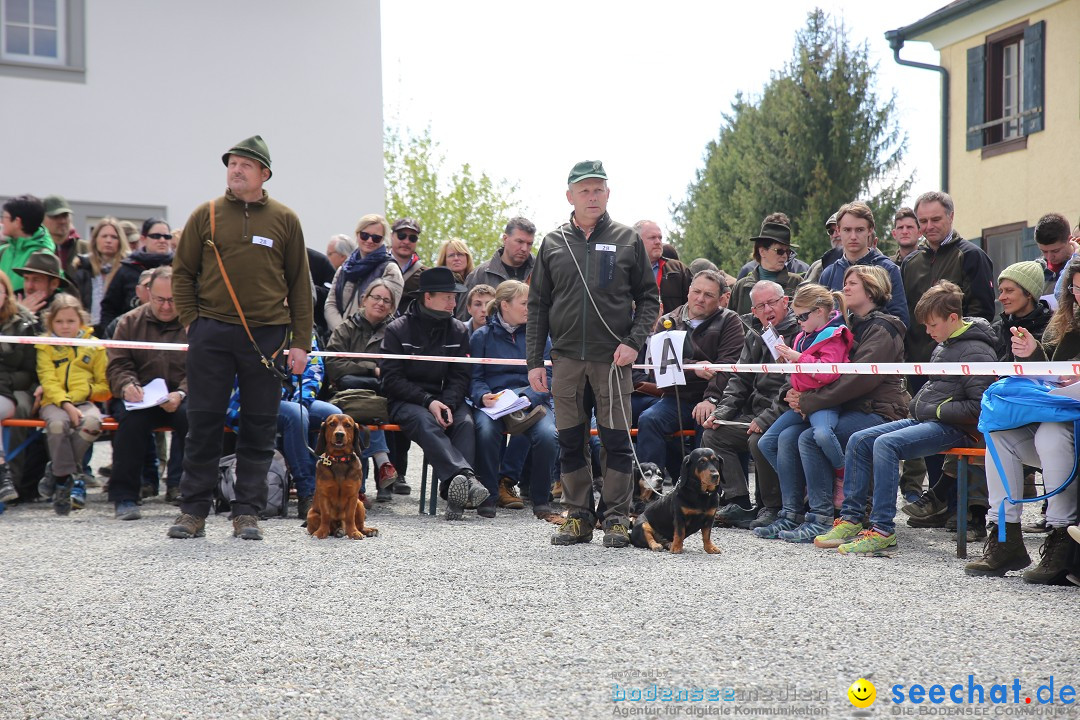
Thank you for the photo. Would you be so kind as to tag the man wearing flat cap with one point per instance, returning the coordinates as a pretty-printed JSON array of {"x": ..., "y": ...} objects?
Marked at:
[
  {"x": 594, "y": 292},
  {"x": 427, "y": 398},
  {"x": 243, "y": 294},
  {"x": 772, "y": 248}
]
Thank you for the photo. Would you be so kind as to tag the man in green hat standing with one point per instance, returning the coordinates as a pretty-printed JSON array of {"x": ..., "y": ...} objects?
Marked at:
[
  {"x": 243, "y": 293},
  {"x": 594, "y": 292}
]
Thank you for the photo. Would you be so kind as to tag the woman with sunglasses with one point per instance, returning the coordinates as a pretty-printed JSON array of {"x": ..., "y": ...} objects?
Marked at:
[
  {"x": 772, "y": 250},
  {"x": 370, "y": 261},
  {"x": 155, "y": 249}
]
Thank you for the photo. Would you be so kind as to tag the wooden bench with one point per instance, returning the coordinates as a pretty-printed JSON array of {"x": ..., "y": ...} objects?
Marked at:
[{"x": 433, "y": 501}]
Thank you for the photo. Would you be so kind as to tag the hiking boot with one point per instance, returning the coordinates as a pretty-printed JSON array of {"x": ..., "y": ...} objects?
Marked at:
[
  {"x": 149, "y": 491},
  {"x": 766, "y": 516},
  {"x": 870, "y": 543},
  {"x": 7, "y": 487},
  {"x": 937, "y": 520},
  {"x": 1036, "y": 528},
  {"x": 47, "y": 484},
  {"x": 303, "y": 504},
  {"x": 401, "y": 488},
  {"x": 772, "y": 531},
  {"x": 62, "y": 495},
  {"x": 187, "y": 526},
  {"x": 172, "y": 495},
  {"x": 78, "y": 492},
  {"x": 734, "y": 515},
  {"x": 577, "y": 528},
  {"x": 486, "y": 511},
  {"x": 1000, "y": 557},
  {"x": 386, "y": 476},
  {"x": 926, "y": 506},
  {"x": 842, "y": 532},
  {"x": 976, "y": 529},
  {"x": 127, "y": 510},
  {"x": 477, "y": 492},
  {"x": 384, "y": 495},
  {"x": 508, "y": 495},
  {"x": 616, "y": 533},
  {"x": 805, "y": 533},
  {"x": 1056, "y": 560},
  {"x": 246, "y": 527},
  {"x": 457, "y": 495},
  {"x": 556, "y": 490}
]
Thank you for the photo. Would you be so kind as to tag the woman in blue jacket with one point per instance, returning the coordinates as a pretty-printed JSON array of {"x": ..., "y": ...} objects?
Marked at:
[{"x": 504, "y": 337}]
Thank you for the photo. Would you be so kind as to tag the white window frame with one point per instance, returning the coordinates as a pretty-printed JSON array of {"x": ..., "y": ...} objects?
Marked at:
[{"x": 69, "y": 65}]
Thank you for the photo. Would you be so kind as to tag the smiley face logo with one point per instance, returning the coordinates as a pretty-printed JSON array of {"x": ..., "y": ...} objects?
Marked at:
[{"x": 862, "y": 693}]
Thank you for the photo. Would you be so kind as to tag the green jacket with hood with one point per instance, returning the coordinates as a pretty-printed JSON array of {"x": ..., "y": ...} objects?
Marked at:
[{"x": 15, "y": 251}]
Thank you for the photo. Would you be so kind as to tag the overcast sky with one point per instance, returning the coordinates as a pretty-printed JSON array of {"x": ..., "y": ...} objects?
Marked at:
[{"x": 524, "y": 90}]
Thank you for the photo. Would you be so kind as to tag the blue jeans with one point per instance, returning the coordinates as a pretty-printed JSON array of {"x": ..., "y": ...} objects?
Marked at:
[
  {"x": 656, "y": 425},
  {"x": 296, "y": 423},
  {"x": 824, "y": 424},
  {"x": 805, "y": 473},
  {"x": 495, "y": 458},
  {"x": 874, "y": 454}
]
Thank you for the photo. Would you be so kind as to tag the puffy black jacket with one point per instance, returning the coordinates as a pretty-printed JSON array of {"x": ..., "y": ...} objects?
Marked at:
[
  {"x": 756, "y": 396},
  {"x": 1034, "y": 322},
  {"x": 956, "y": 399},
  {"x": 421, "y": 381},
  {"x": 18, "y": 362}
]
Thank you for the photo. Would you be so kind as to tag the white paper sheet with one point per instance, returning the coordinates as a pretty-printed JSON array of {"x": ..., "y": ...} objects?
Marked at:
[
  {"x": 506, "y": 402},
  {"x": 772, "y": 339},
  {"x": 155, "y": 393}
]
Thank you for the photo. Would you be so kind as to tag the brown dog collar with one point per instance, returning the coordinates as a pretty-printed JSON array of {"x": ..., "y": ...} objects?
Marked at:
[{"x": 327, "y": 459}]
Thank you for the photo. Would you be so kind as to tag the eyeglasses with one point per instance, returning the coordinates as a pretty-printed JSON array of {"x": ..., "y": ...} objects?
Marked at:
[
  {"x": 160, "y": 236},
  {"x": 1075, "y": 290},
  {"x": 163, "y": 301},
  {"x": 370, "y": 236},
  {"x": 451, "y": 256},
  {"x": 411, "y": 237},
  {"x": 767, "y": 304},
  {"x": 802, "y": 317},
  {"x": 381, "y": 299}
]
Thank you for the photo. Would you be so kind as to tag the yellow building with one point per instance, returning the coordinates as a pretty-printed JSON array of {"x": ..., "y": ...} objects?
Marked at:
[{"x": 1012, "y": 113}]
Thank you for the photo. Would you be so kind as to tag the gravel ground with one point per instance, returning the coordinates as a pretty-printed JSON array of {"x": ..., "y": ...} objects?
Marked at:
[{"x": 484, "y": 618}]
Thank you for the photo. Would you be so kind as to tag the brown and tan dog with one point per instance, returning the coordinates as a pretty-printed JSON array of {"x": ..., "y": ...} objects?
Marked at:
[{"x": 336, "y": 507}]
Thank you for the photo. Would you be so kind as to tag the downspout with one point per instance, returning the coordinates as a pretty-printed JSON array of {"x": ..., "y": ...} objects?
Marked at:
[{"x": 896, "y": 42}]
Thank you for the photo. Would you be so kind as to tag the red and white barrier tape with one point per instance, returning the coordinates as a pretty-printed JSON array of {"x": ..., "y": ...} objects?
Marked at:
[{"x": 1031, "y": 369}]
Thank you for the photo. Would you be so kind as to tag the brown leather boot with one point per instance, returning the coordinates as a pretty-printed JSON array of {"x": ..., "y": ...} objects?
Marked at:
[
  {"x": 1001, "y": 557},
  {"x": 508, "y": 495}
]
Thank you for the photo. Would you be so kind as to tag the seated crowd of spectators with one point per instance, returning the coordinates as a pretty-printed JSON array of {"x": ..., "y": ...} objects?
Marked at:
[{"x": 833, "y": 454}]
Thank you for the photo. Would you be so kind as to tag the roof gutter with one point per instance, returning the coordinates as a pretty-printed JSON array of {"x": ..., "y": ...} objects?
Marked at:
[{"x": 896, "y": 42}]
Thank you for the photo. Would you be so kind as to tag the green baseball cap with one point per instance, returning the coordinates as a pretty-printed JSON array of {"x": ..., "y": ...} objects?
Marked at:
[
  {"x": 586, "y": 169},
  {"x": 255, "y": 148},
  {"x": 56, "y": 205}
]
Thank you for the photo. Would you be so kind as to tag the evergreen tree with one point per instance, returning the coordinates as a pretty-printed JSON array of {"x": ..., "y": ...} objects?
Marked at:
[{"x": 818, "y": 137}]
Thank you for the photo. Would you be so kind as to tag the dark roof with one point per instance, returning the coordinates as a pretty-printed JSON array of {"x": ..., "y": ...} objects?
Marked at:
[{"x": 943, "y": 16}]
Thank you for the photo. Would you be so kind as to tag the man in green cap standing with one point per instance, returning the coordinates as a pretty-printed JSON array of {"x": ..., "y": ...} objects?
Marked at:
[
  {"x": 57, "y": 221},
  {"x": 594, "y": 292},
  {"x": 243, "y": 293}
]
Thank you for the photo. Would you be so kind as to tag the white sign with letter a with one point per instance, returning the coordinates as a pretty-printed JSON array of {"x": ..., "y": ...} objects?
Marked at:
[{"x": 666, "y": 351}]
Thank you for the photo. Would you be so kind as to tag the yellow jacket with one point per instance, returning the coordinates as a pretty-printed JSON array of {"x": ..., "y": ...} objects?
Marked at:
[{"x": 72, "y": 373}]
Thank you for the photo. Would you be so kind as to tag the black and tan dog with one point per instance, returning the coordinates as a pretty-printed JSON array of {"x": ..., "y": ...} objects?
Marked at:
[
  {"x": 685, "y": 510},
  {"x": 336, "y": 507},
  {"x": 649, "y": 483}
]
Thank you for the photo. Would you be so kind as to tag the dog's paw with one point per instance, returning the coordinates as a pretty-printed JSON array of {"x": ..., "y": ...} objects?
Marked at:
[
  {"x": 339, "y": 533},
  {"x": 356, "y": 535},
  {"x": 371, "y": 532},
  {"x": 712, "y": 549},
  {"x": 656, "y": 546}
]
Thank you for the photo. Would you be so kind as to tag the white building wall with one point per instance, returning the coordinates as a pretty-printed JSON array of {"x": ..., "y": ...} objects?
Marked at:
[{"x": 170, "y": 86}]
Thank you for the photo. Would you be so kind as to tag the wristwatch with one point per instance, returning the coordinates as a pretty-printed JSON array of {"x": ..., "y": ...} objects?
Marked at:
[{"x": 182, "y": 394}]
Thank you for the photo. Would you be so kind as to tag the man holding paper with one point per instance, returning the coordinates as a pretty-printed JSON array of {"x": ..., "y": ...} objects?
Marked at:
[{"x": 129, "y": 371}]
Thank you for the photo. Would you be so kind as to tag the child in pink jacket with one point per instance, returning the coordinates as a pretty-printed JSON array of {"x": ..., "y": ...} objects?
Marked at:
[{"x": 825, "y": 338}]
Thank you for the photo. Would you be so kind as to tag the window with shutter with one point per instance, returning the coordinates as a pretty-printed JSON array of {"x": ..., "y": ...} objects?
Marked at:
[{"x": 1005, "y": 88}]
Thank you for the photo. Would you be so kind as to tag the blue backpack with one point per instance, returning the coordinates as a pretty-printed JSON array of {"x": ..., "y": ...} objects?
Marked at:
[{"x": 1013, "y": 402}]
